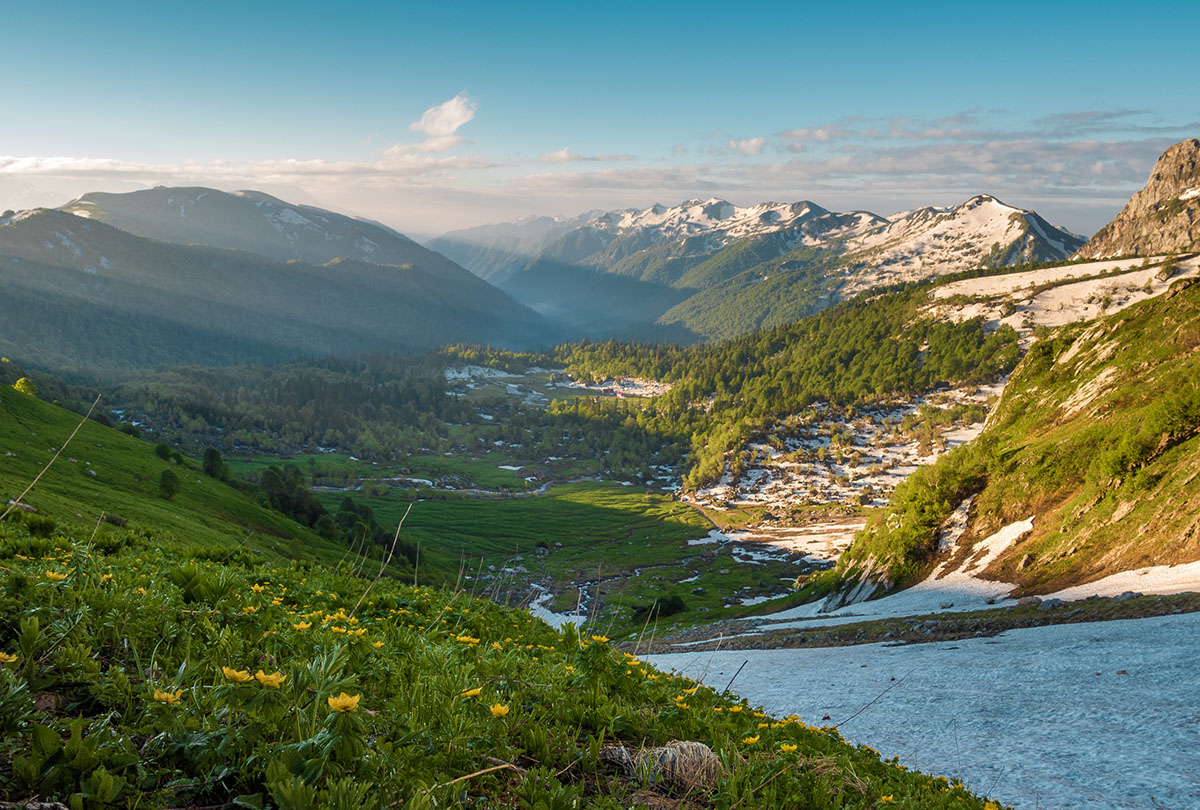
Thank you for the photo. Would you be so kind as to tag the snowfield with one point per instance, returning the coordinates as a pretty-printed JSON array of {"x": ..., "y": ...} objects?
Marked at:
[
  {"x": 1096, "y": 715},
  {"x": 1068, "y": 302}
]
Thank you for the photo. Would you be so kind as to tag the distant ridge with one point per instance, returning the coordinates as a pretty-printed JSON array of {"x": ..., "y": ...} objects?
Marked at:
[{"x": 78, "y": 294}]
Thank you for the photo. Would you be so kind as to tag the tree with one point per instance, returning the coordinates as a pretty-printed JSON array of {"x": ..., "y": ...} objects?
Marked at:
[
  {"x": 214, "y": 465},
  {"x": 162, "y": 451},
  {"x": 26, "y": 386},
  {"x": 169, "y": 484}
]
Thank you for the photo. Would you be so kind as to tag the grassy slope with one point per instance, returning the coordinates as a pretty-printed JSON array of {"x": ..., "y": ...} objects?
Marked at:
[
  {"x": 112, "y": 692},
  {"x": 1096, "y": 435},
  {"x": 205, "y": 511}
]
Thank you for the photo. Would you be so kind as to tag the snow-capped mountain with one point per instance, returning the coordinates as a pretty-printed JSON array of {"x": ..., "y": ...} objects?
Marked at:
[
  {"x": 723, "y": 221},
  {"x": 721, "y": 269},
  {"x": 981, "y": 232}
]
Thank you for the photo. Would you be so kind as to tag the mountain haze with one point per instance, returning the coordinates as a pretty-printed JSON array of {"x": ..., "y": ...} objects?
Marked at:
[
  {"x": 78, "y": 293},
  {"x": 495, "y": 252}
]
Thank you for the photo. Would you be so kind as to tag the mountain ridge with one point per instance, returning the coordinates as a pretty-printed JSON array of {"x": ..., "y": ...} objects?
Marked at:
[{"x": 722, "y": 270}]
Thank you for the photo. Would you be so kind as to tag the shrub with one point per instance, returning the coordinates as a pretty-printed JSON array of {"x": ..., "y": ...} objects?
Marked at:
[{"x": 169, "y": 484}]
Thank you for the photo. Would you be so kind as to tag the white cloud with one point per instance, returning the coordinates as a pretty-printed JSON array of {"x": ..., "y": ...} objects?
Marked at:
[
  {"x": 565, "y": 155},
  {"x": 747, "y": 146},
  {"x": 440, "y": 126},
  {"x": 561, "y": 156}
]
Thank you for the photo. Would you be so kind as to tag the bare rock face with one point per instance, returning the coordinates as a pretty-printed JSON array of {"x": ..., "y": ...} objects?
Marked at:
[{"x": 1163, "y": 217}]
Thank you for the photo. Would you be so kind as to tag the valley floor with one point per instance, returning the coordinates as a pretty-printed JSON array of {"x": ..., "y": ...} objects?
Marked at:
[{"x": 1050, "y": 718}]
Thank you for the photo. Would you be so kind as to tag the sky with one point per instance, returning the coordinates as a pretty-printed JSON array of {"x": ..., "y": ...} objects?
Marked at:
[{"x": 433, "y": 117}]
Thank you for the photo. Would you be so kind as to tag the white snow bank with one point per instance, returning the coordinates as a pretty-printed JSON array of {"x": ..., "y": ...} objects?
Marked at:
[
  {"x": 1038, "y": 718},
  {"x": 954, "y": 590},
  {"x": 467, "y": 372},
  {"x": 1157, "y": 579}
]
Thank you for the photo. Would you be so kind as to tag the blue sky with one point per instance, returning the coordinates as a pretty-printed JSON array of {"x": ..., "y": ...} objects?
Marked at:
[{"x": 540, "y": 108}]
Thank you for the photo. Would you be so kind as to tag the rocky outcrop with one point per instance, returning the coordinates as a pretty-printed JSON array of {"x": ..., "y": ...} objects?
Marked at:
[{"x": 1161, "y": 218}]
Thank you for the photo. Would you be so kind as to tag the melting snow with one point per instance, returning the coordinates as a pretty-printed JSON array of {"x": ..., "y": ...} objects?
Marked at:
[{"x": 1038, "y": 718}]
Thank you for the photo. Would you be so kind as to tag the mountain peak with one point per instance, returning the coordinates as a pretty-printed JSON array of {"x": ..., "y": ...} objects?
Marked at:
[{"x": 1164, "y": 216}]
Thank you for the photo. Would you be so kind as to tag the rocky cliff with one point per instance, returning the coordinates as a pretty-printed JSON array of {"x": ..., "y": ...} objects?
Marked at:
[{"x": 1162, "y": 217}]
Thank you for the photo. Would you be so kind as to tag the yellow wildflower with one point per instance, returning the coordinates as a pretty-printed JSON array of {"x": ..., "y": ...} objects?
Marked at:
[
  {"x": 170, "y": 698},
  {"x": 249, "y": 609},
  {"x": 237, "y": 675},
  {"x": 787, "y": 748},
  {"x": 360, "y": 631},
  {"x": 886, "y": 799},
  {"x": 735, "y": 709},
  {"x": 344, "y": 702},
  {"x": 106, "y": 578},
  {"x": 302, "y": 625},
  {"x": 7, "y": 658},
  {"x": 763, "y": 725},
  {"x": 471, "y": 692},
  {"x": 600, "y": 639},
  {"x": 751, "y": 740},
  {"x": 377, "y": 644},
  {"x": 54, "y": 576},
  {"x": 338, "y": 629},
  {"x": 272, "y": 681},
  {"x": 498, "y": 710},
  {"x": 691, "y": 691},
  {"x": 257, "y": 588},
  {"x": 496, "y": 645}
]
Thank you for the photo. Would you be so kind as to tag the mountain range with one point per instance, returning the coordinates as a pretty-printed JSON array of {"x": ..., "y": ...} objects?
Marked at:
[
  {"x": 78, "y": 293},
  {"x": 711, "y": 269},
  {"x": 196, "y": 275}
]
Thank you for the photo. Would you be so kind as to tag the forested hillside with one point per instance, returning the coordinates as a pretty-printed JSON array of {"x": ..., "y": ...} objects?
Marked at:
[{"x": 1095, "y": 436}]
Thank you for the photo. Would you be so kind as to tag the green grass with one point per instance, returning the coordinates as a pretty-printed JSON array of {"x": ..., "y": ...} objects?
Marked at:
[
  {"x": 126, "y": 481},
  {"x": 633, "y": 541}
]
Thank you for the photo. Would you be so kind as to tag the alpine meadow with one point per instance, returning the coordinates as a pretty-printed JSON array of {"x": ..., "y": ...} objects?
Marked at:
[{"x": 549, "y": 407}]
